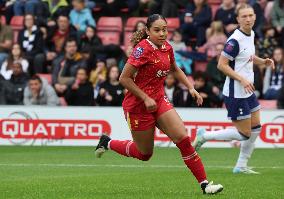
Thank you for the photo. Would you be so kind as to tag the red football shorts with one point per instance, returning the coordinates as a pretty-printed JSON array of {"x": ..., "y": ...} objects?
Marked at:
[{"x": 144, "y": 120}]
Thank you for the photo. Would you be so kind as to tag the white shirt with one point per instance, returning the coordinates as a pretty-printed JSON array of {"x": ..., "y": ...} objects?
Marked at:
[
  {"x": 240, "y": 50},
  {"x": 8, "y": 73}
]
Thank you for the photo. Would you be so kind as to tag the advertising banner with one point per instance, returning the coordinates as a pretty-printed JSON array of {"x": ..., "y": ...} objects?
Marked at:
[{"x": 82, "y": 126}]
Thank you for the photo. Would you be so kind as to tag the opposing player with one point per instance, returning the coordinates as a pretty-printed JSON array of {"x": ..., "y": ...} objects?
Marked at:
[
  {"x": 146, "y": 106},
  {"x": 236, "y": 62}
]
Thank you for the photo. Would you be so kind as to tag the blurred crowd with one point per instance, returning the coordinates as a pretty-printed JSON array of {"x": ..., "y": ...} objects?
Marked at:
[{"x": 59, "y": 40}]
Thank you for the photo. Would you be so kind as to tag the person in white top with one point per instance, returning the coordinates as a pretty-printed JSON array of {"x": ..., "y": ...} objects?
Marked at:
[
  {"x": 15, "y": 56},
  {"x": 236, "y": 62}
]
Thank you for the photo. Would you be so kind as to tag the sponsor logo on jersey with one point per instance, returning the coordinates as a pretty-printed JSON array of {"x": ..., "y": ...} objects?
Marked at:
[{"x": 162, "y": 73}]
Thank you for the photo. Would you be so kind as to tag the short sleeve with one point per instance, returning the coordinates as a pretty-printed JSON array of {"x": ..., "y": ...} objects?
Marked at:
[
  {"x": 172, "y": 56},
  {"x": 138, "y": 57},
  {"x": 231, "y": 49}
]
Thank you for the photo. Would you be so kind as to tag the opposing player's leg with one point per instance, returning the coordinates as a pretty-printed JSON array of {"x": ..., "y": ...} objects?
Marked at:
[
  {"x": 171, "y": 124},
  {"x": 143, "y": 140},
  {"x": 247, "y": 146},
  {"x": 240, "y": 113}
]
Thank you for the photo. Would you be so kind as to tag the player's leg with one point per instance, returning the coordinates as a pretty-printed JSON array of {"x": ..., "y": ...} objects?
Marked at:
[
  {"x": 240, "y": 113},
  {"x": 247, "y": 146},
  {"x": 140, "y": 148},
  {"x": 171, "y": 124},
  {"x": 143, "y": 140}
]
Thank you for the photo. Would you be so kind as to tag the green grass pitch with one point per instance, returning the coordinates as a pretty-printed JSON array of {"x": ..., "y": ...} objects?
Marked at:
[{"x": 74, "y": 173}]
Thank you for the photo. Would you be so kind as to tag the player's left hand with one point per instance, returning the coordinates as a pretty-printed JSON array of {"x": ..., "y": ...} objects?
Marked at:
[
  {"x": 196, "y": 96},
  {"x": 269, "y": 62}
]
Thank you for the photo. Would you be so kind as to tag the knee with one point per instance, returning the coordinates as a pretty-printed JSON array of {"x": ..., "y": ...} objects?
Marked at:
[
  {"x": 145, "y": 157},
  {"x": 245, "y": 134}
]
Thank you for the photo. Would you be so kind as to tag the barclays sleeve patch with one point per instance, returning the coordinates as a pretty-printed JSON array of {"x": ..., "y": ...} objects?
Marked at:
[
  {"x": 138, "y": 52},
  {"x": 232, "y": 48}
]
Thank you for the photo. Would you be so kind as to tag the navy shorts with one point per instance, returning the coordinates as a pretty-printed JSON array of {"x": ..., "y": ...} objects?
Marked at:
[{"x": 241, "y": 108}]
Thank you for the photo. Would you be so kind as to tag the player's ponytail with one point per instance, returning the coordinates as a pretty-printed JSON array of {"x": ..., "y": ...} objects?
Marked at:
[
  {"x": 138, "y": 36},
  {"x": 141, "y": 34}
]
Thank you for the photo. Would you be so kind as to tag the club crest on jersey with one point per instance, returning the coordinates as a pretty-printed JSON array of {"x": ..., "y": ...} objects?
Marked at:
[{"x": 138, "y": 52}]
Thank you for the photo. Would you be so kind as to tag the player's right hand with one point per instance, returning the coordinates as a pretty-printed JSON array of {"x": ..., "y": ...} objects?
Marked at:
[
  {"x": 150, "y": 104},
  {"x": 249, "y": 87}
]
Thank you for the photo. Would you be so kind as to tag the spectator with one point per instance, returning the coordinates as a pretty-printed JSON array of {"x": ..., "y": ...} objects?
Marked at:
[
  {"x": 172, "y": 90},
  {"x": 65, "y": 66},
  {"x": 170, "y": 8},
  {"x": 81, "y": 92},
  {"x": 273, "y": 79},
  {"x": 111, "y": 92},
  {"x": 26, "y": 7},
  {"x": 39, "y": 92},
  {"x": 14, "y": 89},
  {"x": 140, "y": 25},
  {"x": 196, "y": 19},
  {"x": 2, "y": 90},
  {"x": 260, "y": 21},
  {"x": 280, "y": 100},
  {"x": 227, "y": 15},
  {"x": 8, "y": 9},
  {"x": 16, "y": 55},
  {"x": 51, "y": 10},
  {"x": 180, "y": 52},
  {"x": 80, "y": 16},
  {"x": 90, "y": 40},
  {"x": 201, "y": 86},
  {"x": 277, "y": 15},
  {"x": 216, "y": 77},
  {"x": 6, "y": 40},
  {"x": 98, "y": 74},
  {"x": 215, "y": 35},
  {"x": 56, "y": 37},
  {"x": 268, "y": 43},
  {"x": 176, "y": 41},
  {"x": 31, "y": 42},
  {"x": 111, "y": 7}
]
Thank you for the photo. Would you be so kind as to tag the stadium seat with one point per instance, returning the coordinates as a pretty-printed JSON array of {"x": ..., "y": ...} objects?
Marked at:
[
  {"x": 131, "y": 22},
  {"x": 46, "y": 77},
  {"x": 268, "y": 104},
  {"x": 109, "y": 29},
  {"x": 109, "y": 37},
  {"x": 109, "y": 24},
  {"x": 200, "y": 66},
  {"x": 129, "y": 28},
  {"x": 17, "y": 24},
  {"x": 3, "y": 20},
  {"x": 173, "y": 24},
  {"x": 127, "y": 37}
]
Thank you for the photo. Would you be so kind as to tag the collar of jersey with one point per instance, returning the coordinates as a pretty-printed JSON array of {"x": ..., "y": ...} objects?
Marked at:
[
  {"x": 164, "y": 48},
  {"x": 152, "y": 44},
  {"x": 248, "y": 35}
]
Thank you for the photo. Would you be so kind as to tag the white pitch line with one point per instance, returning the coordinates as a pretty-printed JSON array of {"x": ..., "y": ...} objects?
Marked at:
[{"x": 121, "y": 166}]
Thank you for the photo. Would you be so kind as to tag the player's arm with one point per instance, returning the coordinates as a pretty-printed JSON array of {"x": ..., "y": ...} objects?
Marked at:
[
  {"x": 126, "y": 80},
  {"x": 263, "y": 63},
  {"x": 223, "y": 65},
  {"x": 181, "y": 77}
]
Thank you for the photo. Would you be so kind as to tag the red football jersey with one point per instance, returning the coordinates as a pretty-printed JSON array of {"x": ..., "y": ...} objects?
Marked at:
[{"x": 153, "y": 65}]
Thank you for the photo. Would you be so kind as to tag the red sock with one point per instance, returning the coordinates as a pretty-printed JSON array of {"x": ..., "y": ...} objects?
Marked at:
[
  {"x": 191, "y": 159},
  {"x": 128, "y": 148}
]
